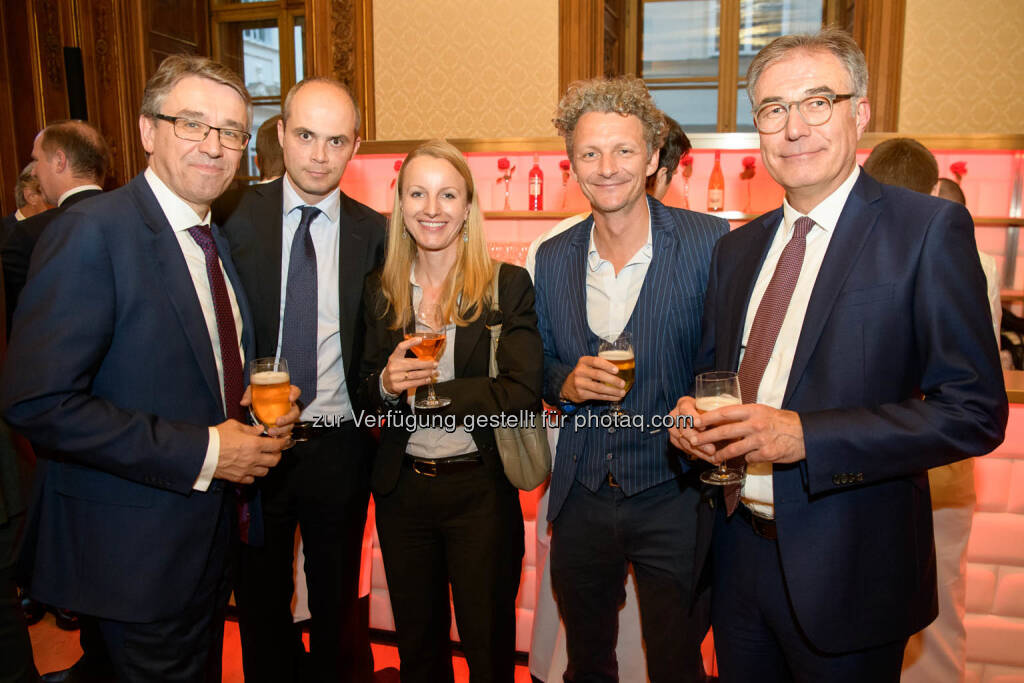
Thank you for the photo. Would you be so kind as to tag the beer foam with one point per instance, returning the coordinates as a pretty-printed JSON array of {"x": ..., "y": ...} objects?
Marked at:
[
  {"x": 706, "y": 403},
  {"x": 269, "y": 377},
  {"x": 616, "y": 354}
]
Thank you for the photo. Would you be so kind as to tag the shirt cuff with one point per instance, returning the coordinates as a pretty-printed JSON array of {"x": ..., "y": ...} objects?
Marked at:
[
  {"x": 385, "y": 394},
  {"x": 210, "y": 463}
]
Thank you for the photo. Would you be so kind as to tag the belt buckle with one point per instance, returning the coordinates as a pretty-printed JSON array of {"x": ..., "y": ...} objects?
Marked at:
[{"x": 416, "y": 468}]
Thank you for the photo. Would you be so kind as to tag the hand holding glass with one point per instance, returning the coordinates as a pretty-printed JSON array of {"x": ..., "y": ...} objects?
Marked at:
[
  {"x": 270, "y": 384},
  {"x": 429, "y": 325},
  {"x": 717, "y": 390},
  {"x": 620, "y": 354}
]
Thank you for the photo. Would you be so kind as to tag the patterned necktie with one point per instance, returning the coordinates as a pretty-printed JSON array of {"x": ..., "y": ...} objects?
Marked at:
[
  {"x": 767, "y": 323},
  {"x": 231, "y": 360},
  {"x": 298, "y": 337}
]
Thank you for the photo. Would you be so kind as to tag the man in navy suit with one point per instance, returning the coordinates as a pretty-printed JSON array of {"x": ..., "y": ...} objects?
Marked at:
[
  {"x": 126, "y": 365},
  {"x": 856, "y": 317},
  {"x": 621, "y": 495}
]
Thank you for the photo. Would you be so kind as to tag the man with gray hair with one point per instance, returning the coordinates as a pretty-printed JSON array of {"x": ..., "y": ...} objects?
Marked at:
[
  {"x": 620, "y": 494},
  {"x": 856, "y": 318},
  {"x": 126, "y": 368},
  {"x": 71, "y": 163},
  {"x": 28, "y": 200}
]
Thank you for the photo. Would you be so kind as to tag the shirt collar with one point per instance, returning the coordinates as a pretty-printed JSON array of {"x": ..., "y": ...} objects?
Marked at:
[
  {"x": 180, "y": 215},
  {"x": 643, "y": 254},
  {"x": 826, "y": 214},
  {"x": 330, "y": 205},
  {"x": 76, "y": 190},
  {"x": 18, "y": 215}
]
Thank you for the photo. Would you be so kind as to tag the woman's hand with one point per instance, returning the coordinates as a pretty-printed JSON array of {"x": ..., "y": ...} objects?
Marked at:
[{"x": 401, "y": 373}]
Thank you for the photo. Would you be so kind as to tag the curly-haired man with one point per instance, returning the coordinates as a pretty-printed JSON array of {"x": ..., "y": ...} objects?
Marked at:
[{"x": 619, "y": 495}]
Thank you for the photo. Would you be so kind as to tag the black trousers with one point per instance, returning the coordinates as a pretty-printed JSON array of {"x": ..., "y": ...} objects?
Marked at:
[
  {"x": 16, "y": 665},
  {"x": 757, "y": 637},
  {"x": 322, "y": 486},
  {"x": 466, "y": 530},
  {"x": 594, "y": 538}
]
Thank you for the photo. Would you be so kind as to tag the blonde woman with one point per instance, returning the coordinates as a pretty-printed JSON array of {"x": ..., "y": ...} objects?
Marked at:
[{"x": 446, "y": 514}]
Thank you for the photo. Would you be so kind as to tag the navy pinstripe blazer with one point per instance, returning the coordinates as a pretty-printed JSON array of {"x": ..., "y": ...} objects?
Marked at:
[{"x": 665, "y": 325}]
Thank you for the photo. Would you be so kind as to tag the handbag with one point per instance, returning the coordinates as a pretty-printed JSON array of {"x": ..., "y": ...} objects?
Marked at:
[{"x": 524, "y": 451}]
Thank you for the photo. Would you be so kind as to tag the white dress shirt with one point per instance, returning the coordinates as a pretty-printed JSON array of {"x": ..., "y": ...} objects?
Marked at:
[
  {"x": 757, "y": 493},
  {"x": 612, "y": 297},
  {"x": 332, "y": 399},
  {"x": 182, "y": 217},
  {"x": 83, "y": 188}
]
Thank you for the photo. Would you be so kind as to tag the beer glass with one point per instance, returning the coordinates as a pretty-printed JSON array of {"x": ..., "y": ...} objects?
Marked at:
[
  {"x": 717, "y": 390},
  {"x": 428, "y": 324},
  {"x": 620, "y": 354},
  {"x": 270, "y": 385}
]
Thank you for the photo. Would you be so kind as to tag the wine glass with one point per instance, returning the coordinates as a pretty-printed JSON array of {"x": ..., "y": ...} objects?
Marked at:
[
  {"x": 270, "y": 383},
  {"x": 717, "y": 390},
  {"x": 428, "y": 324},
  {"x": 620, "y": 354}
]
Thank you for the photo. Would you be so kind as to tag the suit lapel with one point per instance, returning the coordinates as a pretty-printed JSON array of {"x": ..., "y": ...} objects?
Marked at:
[
  {"x": 266, "y": 221},
  {"x": 576, "y": 286},
  {"x": 177, "y": 281},
  {"x": 740, "y": 286},
  {"x": 353, "y": 245},
  {"x": 248, "y": 334},
  {"x": 855, "y": 225},
  {"x": 652, "y": 305}
]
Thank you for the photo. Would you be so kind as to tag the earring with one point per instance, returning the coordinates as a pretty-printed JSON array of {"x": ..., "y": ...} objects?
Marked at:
[
  {"x": 465, "y": 235},
  {"x": 405, "y": 234}
]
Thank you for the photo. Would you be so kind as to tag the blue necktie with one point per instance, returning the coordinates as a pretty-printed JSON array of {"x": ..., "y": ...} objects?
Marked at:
[{"x": 298, "y": 337}]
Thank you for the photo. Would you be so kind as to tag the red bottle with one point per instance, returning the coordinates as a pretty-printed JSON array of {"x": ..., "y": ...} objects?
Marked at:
[
  {"x": 716, "y": 186},
  {"x": 536, "y": 185}
]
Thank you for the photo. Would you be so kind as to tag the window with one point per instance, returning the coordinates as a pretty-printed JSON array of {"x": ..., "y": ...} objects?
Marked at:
[
  {"x": 265, "y": 43},
  {"x": 695, "y": 54}
]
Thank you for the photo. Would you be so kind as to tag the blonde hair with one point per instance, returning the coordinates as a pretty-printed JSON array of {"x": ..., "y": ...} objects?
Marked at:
[{"x": 465, "y": 293}]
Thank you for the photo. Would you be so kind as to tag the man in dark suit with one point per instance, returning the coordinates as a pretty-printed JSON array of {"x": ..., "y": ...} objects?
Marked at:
[
  {"x": 28, "y": 198},
  {"x": 856, "y": 318},
  {"x": 126, "y": 365},
  {"x": 620, "y": 495},
  {"x": 16, "y": 666},
  {"x": 72, "y": 160},
  {"x": 303, "y": 249}
]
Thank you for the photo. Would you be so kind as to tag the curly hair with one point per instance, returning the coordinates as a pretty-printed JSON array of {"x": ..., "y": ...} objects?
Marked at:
[{"x": 626, "y": 95}]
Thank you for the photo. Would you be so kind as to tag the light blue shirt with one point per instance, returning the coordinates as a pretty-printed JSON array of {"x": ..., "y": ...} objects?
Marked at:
[{"x": 332, "y": 399}]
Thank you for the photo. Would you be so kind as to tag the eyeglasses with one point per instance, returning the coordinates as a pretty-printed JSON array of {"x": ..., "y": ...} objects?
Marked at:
[
  {"x": 815, "y": 110},
  {"x": 196, "y": 131}
]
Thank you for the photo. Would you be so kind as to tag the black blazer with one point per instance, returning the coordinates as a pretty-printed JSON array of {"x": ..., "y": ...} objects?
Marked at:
[
  {"x": 253, "y": 230},
  {"x": 520, "y": 359},
  {"x": 17, "y": 248}
]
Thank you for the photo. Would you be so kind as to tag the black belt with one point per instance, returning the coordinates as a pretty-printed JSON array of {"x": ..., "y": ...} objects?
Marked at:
[
  {"x": 762, "y": 526},
  {"x": 432, "y": 468},
  {"x": 310, "y": 430}
]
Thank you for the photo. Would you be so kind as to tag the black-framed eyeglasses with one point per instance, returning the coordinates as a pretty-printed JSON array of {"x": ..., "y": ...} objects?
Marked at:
[
  {"x": 815, "y": 110},
  {"x": 196, "y": 131}
]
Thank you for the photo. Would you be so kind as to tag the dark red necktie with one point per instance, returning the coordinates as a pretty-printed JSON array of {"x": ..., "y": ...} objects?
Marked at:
[
  {"x": 767, "y": 323},
  {"x": 230, "y": 359}
]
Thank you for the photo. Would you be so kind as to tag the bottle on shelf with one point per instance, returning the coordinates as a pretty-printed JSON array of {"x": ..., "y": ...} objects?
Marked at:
[
  {"x": 536, "y": 185},
  {"x": 716, "y": 185}
]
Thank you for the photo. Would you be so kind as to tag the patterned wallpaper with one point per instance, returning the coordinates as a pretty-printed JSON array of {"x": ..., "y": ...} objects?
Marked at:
[
  {"x": 465, "y": 68},
  {"x": 963, "y": 67}
]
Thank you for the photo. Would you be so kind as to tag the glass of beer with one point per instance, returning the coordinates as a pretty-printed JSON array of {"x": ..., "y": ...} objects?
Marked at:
[
  {"x": 717, "y": 390},
  {"x": 271, "y": 386},
  {"x": 620, "y": 354},
  {"x": 428, "y": 324}
]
